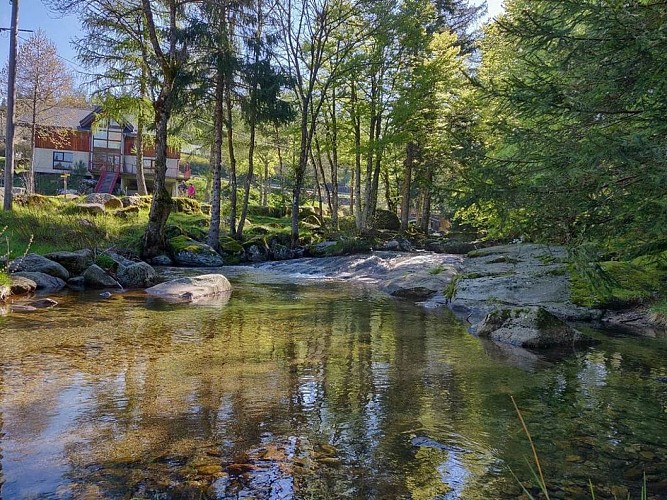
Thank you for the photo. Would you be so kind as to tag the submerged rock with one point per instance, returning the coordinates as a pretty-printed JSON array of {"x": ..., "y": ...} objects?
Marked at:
[
  {"x": 34, "y": 263},
  {"x": 191, "y": 289},
  {"x": 162, "y": 260},
  {"x": 533, "y": 327},
  {"x": 43, "y": 303}
]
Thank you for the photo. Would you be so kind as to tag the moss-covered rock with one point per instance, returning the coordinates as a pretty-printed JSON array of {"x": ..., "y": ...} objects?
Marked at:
[
  {"x": 259, "y": 211},
  {"x": 32, "y": 200},
  {"x": 188, "y": 252},
  {"x": 186, "y": 205},
  {"x": 109, "y": 201},
  {"x": 125, "y": 212},
  {"x": 532, "y": 327},
  {"x": 385, "y": 219}
]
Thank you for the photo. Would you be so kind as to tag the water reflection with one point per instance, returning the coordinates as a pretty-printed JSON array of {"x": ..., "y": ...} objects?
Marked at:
[{"x": 321, "y": 391}]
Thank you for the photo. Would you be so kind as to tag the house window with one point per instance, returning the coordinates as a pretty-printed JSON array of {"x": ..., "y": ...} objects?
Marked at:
[
  {"x": 62, "y": 160},
  {"x": 109, "y": 136},
  {"x": 149, "y": 164}
]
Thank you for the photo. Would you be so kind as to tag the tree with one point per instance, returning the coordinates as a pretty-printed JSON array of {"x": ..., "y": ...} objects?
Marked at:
[
  {"x": 262, "y": 103},
  {"x": 157, "y": 33},
  {"x": 43, "y": 81},
  {"x": 575, "y": 129},
  {"x": 309, "y": 27}
]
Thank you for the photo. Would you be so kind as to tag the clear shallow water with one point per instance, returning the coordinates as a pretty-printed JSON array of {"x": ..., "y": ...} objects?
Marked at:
[{"x": 322, "y": 390}]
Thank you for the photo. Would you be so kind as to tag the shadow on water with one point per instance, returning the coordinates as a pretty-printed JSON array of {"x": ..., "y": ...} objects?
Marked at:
[{"x": 318, "y": 391}]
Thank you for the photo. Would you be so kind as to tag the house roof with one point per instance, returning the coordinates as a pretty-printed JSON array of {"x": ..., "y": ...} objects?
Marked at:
[
  {"x": 59, "y": 116},
  {"x": 66, "y": 117}
]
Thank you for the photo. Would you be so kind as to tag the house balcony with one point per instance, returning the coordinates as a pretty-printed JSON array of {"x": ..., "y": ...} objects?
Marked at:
[{"x": 180, "y": 172}]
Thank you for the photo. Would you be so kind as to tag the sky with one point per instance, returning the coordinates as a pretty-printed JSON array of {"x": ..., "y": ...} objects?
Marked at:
[{"x": 61, "y": 30}]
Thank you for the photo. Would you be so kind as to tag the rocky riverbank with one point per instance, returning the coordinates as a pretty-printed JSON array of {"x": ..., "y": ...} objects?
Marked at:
[{"x": 520, "y": 283}]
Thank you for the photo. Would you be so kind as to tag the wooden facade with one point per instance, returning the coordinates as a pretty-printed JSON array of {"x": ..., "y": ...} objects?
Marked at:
[{"x": 62, "y": 139}]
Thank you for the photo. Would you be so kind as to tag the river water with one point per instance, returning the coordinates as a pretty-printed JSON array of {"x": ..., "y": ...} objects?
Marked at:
[{"x": 314, "y": 390}]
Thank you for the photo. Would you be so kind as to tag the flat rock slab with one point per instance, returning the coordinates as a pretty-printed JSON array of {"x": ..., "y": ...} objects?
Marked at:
[
  {"x": 191, "y": 289},
  {"x": 517, "y": 275}
]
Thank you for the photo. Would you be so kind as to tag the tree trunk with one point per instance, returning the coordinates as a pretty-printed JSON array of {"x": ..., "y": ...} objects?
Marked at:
[
  {"x": 248, "y": 181},
  {"x": 426, "y": 200},
  {"x": 356, "y": 124},
  {"x": 232, "y": 161},
  {"x": 300, "y": 170},
  {"x": 266, "y": 182},
  {"x": 216, "y": 163},
  {"x": 410, "y": 153},
  {"x": 333, "y": 161},
  {"x": 324, "y": 178},
  {"x": 391, "y": 204},
  {"x": 352, "y": 188},
  {"x": 376, "y": 171},
  {"x": 141, "y": 177},
  {"x": 153, "y": 243}
]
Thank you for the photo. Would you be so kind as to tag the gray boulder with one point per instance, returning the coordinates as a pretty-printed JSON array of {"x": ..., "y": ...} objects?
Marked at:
[
  {"x": 162, "y": 260},
  {"x": 192, "y": 289},
  {"x": 75, "y": 262},
  {"x": 108, "y": 201},
  {"x": 280, "y": 251},
  {"x": 76, "y": 283},
  {"x": 44, "y": 282},
  {"x": 256, "y": 253},
  {"x": 96, "y": 277},
  {"x": 188, "y": 252},
  {"x": 532, "y": 327},
  {"x": 34, "y": 263},
  {"x": 136, "y": 275}
]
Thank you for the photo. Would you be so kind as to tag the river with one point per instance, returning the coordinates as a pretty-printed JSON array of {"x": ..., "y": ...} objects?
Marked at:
[{"x": 320, "y": 389}]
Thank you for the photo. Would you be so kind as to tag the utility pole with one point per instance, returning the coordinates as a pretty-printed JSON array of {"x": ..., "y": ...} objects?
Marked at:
[{"x": 11, "y": 114}]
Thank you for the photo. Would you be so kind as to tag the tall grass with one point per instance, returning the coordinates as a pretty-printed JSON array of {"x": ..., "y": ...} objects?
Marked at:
[{"x": 52, "y": 228}]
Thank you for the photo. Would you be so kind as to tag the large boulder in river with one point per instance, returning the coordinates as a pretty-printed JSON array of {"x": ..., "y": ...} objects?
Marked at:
[
  {"x": 44, "y": 282},
  {"x": 136, "y": 275},
  {"x": 192, "y": 289},
  {"x": 75, "y": 262},
  {"x": 533, "y": 327},
  {"x": 188, "y": 252},
  {"x": 96, "y": 277},
  {"x": 34, "y": 263}
]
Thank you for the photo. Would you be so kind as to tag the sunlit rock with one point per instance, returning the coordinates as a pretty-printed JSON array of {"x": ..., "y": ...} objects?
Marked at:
[{"x": 191, "y": 289}]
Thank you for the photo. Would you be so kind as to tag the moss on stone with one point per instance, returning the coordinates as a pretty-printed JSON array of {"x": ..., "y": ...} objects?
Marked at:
[
  {"x": 184, "y": 244},
  {"x": 229, "y": 245}
]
